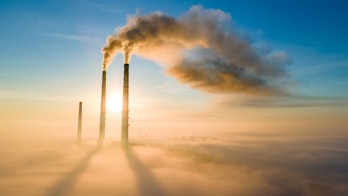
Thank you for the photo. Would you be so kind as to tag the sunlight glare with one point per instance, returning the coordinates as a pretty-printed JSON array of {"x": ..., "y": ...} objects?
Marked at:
[{"x": 114, "y": 103}]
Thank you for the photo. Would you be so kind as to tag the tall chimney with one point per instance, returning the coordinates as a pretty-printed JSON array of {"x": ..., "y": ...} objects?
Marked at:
[
  {"x": 102, "y": 109},
  {"x": 125, "y": 106},
  {"x": 79, "y": 126}
]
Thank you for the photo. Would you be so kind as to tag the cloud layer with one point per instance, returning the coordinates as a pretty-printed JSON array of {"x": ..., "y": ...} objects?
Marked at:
[{"x": 239, "y": 165}]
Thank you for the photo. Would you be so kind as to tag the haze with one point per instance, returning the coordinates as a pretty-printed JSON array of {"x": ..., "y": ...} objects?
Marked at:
[{"x": 252, "y": 101}]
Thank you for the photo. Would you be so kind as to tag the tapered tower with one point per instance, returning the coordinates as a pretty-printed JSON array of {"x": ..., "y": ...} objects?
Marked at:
[
  {"x": 79, "y": 124},
  {"x": 102, "y": 109},
  {"x": 125, "y": 106}
]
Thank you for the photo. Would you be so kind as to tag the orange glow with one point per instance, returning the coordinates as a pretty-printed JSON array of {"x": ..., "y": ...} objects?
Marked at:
[{"x": 114, "y": 103}]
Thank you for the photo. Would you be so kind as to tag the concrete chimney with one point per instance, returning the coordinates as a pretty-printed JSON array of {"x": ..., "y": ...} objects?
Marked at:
[
  {"x": 79, "y": 126},
  {"x": 102, "y": 109},
  {"x": 125, "y": 106}
]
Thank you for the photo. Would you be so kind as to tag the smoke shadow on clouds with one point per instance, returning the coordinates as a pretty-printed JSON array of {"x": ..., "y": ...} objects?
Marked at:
[
  {"x": 147, "y": 184},
  {"x": 63, "y": 186}
]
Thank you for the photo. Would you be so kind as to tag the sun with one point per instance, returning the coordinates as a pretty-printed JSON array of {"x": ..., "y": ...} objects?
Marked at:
[{"x": 114, "y": 103}]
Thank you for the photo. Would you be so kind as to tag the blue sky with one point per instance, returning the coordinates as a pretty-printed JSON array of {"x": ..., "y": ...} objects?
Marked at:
[
  {"x": 50, "y": 59},
  {"x": 50, "y": 52},
  {"x": 45, "y": 40}
]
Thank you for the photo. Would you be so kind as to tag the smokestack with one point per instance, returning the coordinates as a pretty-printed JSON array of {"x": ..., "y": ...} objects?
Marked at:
[
  {"x": 125, "y": 106},
  {"x": 79, "y": 126},
  {"x": 102, "y": 109}
]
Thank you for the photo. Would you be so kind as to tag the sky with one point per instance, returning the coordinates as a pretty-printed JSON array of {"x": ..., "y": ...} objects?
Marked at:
[{"x": 51, "y": 58}]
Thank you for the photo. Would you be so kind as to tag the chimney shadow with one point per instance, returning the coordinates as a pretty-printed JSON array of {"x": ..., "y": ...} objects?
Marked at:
[
  {"x": 64, "y": 185},
  {"x": 147, "y": 184}
]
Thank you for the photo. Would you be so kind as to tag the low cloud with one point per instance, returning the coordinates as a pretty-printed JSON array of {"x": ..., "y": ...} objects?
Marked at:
[{"x": 239, "y": 165}]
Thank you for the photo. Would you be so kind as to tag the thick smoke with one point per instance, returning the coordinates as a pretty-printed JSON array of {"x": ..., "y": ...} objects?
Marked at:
[{"x": 200, "y": 50}]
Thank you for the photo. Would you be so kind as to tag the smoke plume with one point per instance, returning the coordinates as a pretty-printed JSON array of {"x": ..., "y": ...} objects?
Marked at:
[{"x": 199, "y": 49}]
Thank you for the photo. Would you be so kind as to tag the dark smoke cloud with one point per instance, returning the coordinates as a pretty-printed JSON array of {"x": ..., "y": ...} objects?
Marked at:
[{"x": 200, "y": 50}]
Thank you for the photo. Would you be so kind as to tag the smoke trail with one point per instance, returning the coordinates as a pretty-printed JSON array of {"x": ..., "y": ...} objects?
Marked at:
[{"x": 199, "y": 50}]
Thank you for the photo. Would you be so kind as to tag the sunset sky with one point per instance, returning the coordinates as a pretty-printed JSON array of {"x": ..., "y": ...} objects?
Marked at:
[{"x": 51, "y": 58}]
